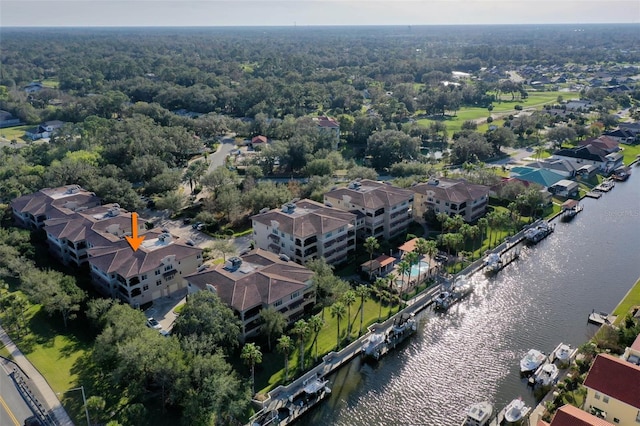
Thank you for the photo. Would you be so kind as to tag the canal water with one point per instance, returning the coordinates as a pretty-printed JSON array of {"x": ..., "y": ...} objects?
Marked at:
[{"x": 472, "y": 352}]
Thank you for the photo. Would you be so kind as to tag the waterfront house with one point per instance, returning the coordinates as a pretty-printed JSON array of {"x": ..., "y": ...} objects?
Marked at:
[
  {"x": 255, "y": 281},
  {"x": 591, "y": 155},
  {"x": 450, "y": 196},
  {"x": 306, "y": 230},
  {"x": 564, "y": 188},
  {"x": 603, "y": 143},
  {"x": 32, "y": 210},
  {"x": 543, "y": 177},
  {"x": 568, "y": 415},
  {"x": 559, "y": 166},
  {"x": 613, "y": 390},
  {"x": 157, "y": 269},
  {"x": 386, "y": 209}
]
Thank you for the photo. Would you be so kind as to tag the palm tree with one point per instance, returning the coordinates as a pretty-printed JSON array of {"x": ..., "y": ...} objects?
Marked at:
[
  {"x": 285, "y": 346},
  {"x": 301, "y": 330},
  {"x": 362, "y": 291},
  {"x": 371, "y": 244},
  {"x": 315, "y": 325},
  {"x": 338, "y": 311},
  {"x": 412, "y": 259},
  {"x": 431, "y": 250},
  {"x": 473, "y": 233},
  {"x": 349, "y": 298},
  {"x": 403, "y": 267},
  {"x": 483, "y": 224},
  {"x": 380, "y": 286},
  {"x": 273, "y": 323},
  {"x": 194, "y": 172},
  {"x": 251, "y": 355},
  {"x": 442, "y": 218}
]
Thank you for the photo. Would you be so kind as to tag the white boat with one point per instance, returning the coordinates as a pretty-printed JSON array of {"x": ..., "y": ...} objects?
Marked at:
[
  {"x": 461, "y": 287},
  {"x": 547, "y": 374},
  {"x": 531, "y": 361},
  {"x": 375, "y": 346},
  {"x": 442, "y": 300},
  {"x": 478, "y": 414},
  {"x": 563, "y": 353},
  {"x": 492, "y": 263},
  {"x": 516, "y": 411}
]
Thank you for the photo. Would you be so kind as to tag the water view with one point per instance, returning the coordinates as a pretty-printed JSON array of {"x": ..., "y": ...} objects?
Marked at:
[{"x": 471, "y": 353}]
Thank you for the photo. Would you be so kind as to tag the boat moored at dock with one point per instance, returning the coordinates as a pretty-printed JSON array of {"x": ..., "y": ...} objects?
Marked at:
[
  {"x": 531, "y": 361},
  {"x": 516, "y": 412},
  {"x": 546, "y": 375},
  {"x": 538, "y": 232},
  {"x": 478, "y": 414},
  {"x": 570, "y": 209},
  {"x": 492, "y": 263},
  {"x": 375, "y": 346},
  {"x": 563, "y": 354}
]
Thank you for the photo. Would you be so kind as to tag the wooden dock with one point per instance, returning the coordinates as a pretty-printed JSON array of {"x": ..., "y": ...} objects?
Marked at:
[
  {"x": 593, "y": 194},
  {"x": 601, "y": 318}
]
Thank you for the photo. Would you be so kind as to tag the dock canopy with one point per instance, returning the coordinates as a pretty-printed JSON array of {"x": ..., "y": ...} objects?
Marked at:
[{"x": 569, "y": 205}]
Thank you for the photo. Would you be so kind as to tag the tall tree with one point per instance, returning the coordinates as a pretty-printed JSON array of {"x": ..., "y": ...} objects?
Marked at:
[
  {"x": 285, "y": 346},
  {"x": 315, "y": 326},
  {"x": 251, "y": 355},
  {"x": 404, "y": 267},
  {"x": 273, "y": 323},
  {"x": 371, "y": 244},
  {"x": 301, "y": 331},
  {"x": 194, "y": 172},
  {"x": 348, "y": 299},
  {"x": 362, "y": 291},
  {"x": 338, "y": 311}
]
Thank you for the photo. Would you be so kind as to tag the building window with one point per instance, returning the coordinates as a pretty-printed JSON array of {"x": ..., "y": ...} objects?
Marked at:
[
  {"x": 605, "y": 399},
  {"x": 144, "y": 277},
  {"x": 145, "y": 287},
  {"x": 159, "y": 282},
  {"x": 616, "y": 420},
  {"x": 295, "y": 295},
  {"x": 278, "y": 303},
  {"x": 157, "y": 271},
  {"x": 597, "y": 395},
  {"x": 168, "y": 268},
  {"x": 329, "y": 234}
]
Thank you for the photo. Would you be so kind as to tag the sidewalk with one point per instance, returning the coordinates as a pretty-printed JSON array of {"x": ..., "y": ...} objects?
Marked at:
[{"x": 50, "y": 399}]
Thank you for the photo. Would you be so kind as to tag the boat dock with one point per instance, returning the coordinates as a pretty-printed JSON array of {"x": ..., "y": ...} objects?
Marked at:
[
  {"x": 593, "y": 194},
  {"x": 601, "y": 318},
  {"x": 605, "y": 186},
  {"x": 499, "y": 419}
]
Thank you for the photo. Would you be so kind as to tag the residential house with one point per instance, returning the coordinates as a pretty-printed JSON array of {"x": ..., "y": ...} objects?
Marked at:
[
  {"x": 306, "y": 230},
  {"x": 33, "y": 87},
  {"x": 559, "y": 166},
  {"x": 587, "y": 171},
  {"x": 31, "y": 211},
  {"x": 450, "y": 196},
  {"x": 44, "y": 130},
  {"x": 7, "y": 119},
  {"x": 613, "y": 390},
  {"x": 622, "y": 135},
  {"x": 70, "y": 237},
  {"x": 564, "y": 188},
  {"x": 604, "y": 143},
  {"x": 329, "y": 125},
  {"x": 378, "y": 267},
  {"x": 632, "y": 353},
  {"x": 578, "y": 105},
  {"x": 386, "y": 208},
  {"x": 591, "y": 155},
  {"x": 157, "y": 269},
  {"x": 256, "y": 281},
  {"x": 568, "y": 415},
  {"x": 258, "y": 142}
]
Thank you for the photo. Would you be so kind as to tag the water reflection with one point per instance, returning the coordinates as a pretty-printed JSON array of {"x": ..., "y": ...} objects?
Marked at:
[{"x": 471, "y": 353}]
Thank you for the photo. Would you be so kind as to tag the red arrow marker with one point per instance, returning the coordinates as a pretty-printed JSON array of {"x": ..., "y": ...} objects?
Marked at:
[{"x": 134, "y": 240}]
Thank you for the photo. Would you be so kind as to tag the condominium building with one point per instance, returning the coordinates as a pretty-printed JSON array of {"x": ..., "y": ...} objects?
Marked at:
[
  {"x": 450, "y": 196},
  {"x": 155, "y": 270},
  {"x": 32, "y": 210},
  {"x": 306, "y": 230},
  {"x": 386, "y": 209},
  {"x": 258, "y": 280}
]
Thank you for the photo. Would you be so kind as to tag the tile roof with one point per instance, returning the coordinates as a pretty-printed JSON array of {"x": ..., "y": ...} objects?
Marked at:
[
  {"x": 326, "y": 122},
  {"x": 616, "y": 378},
  {"x": 65, "y": 199},
  {"x": 372, "y": 195},
  {"x": 568, "y": 415},
  {"x": 306, "y": 219},
  {"x": 262, "y": 279},
  {"x": 540, "y": 176},
  {"x": 119, "y": 258},
  {"x": 453, "y": 190}
]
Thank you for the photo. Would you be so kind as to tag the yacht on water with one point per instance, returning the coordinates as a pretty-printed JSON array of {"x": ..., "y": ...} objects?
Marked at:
[
  {"x": 546, "y": 375},
  {"x": 531, "y": 361},
  {"x": 478, "y": 414},
  {"x": 563, "y": 353},
  {"x": 492, "y": 263},
  {"x": 442, "y": 301}
]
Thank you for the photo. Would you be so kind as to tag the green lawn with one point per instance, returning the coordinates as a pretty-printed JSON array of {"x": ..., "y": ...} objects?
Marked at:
[
  {"x": 52, "y": 83},
  {"x": 16, "y": 132},
  {"x": 271, "y": 372},
  {"x": 631, "y": 299},
  {"x": 630, "y": 153}
]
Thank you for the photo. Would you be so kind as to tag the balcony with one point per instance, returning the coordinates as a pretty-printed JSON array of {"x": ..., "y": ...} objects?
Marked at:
[{"x": 273, "y": 237}]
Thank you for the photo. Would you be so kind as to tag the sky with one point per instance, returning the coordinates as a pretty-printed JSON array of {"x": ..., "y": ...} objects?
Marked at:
[{"x": 91, "y": 13}]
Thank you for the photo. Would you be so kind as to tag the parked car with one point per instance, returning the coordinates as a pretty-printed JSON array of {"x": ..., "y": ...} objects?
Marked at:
[
  {"x": 165, "y": 333},
  {"x": 196, "y": 225},
  {"x": 190, "y": 243},
  {"x": 152, "y": 323}
]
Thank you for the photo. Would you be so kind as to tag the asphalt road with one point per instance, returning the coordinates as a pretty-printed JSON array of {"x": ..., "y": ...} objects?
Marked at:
[{"x": 13, "y": 409}]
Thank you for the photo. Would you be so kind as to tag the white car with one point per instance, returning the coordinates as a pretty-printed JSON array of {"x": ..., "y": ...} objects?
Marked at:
[{"x": 152, "y": 323}]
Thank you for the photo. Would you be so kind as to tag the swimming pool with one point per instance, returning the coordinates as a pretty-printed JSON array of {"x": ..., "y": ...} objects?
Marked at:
[{"x": 419, "y": 268}]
